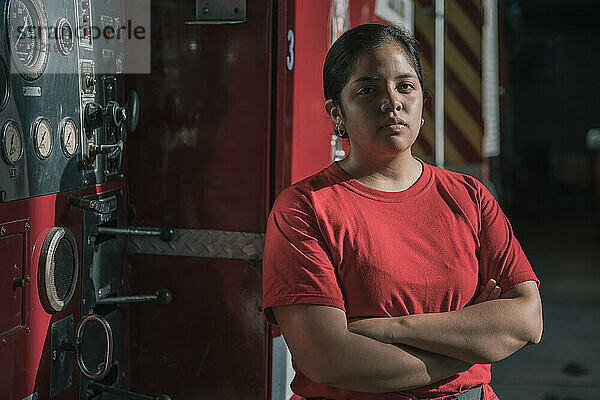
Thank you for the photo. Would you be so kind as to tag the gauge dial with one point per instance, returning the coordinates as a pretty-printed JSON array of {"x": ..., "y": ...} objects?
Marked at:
[
  {"x": 28, "y": 37},
  {"x": 64, "y": 37},
  {"x": 69, "y": 137},
  {"x": 12, "y": 142},
  {"x": 42, "y": 138}
]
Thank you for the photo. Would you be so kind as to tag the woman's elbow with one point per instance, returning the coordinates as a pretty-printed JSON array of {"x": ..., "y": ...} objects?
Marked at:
[
  {"x": 317, "y": 366},
  {"x": 536, "y": 331},
  {"x": 535, "y": 323}
]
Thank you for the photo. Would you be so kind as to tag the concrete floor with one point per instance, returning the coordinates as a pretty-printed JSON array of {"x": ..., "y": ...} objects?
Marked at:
[{"x": 566, "y": 364}]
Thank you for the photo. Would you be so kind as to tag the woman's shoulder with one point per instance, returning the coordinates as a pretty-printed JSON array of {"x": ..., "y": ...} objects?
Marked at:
[
  {"x": 462, "y": 187},
  {"x": 301, "y": 194}
]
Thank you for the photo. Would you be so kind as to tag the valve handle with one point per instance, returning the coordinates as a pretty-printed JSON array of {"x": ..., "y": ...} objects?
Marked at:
[
  {"x": 93, "y": 117},
  {"x": 96, "y": 206}
]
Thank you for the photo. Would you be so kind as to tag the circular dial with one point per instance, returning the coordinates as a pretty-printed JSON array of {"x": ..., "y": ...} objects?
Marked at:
[
  {"x": 69, "y": 137},
  {"x": 42, "y": 138},
  {"x": 64, "y": 37},
  {"x": 12, "y": 142},
  {"x": 28, "y": 38}
]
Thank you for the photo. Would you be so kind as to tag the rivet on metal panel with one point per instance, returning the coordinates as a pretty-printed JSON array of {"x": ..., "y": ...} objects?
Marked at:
[
  {"x": 27, "y": 226},
  {"x": 3, "y": 231},
  {"x": 3, "y": 341},
  {"x": 205, "y": 10},
  {"x": 16, "y": 266}
]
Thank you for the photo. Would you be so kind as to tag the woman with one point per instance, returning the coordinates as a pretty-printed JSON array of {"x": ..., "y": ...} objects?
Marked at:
[{"x": 408, "y": 252}]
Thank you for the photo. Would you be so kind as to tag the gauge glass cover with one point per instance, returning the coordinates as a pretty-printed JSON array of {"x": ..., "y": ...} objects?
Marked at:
[
  {"x": 12, "y": 142},
  {"x": 42, "y": 138},
  {"x": 28, "y": 38},
  {"x": 69, "y": 137}
]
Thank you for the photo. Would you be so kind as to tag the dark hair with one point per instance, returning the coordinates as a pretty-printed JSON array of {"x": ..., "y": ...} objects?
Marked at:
[{"x": 343, "y": 54}]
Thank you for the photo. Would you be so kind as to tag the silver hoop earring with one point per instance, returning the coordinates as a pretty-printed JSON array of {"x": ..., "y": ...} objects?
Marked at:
[{"x": 341, "y": 133}]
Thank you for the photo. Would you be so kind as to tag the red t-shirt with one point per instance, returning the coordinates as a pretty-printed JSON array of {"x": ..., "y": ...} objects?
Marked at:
[{"x": 334, "y": 241}]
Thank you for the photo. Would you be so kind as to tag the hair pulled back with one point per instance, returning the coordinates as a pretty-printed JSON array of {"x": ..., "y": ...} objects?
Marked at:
[{"x": 343, "y": 54}]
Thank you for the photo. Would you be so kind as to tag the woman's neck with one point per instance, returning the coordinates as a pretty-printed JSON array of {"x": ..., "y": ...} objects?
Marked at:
[{"x": 391, "y": 175}]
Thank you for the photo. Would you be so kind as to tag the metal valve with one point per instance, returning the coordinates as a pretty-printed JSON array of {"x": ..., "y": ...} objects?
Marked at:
[
  {"x": 97, "y": 206},
  {"x": 112, "y": 151},
  {"x": 94, "y": 115},
  {"x": 121, "y": 119}
]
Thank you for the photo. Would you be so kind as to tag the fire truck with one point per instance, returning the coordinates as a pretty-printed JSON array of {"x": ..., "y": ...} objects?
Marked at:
[{"x": 143, "y": 143}]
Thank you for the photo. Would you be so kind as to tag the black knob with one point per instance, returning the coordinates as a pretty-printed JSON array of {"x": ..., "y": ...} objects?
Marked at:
[
  {"x": 92, "y": 116},
  {"x": 115, "y": 114},
  {"x": 163, "y": 296},
  {"x": 133, "y": 111},
  {"x": 167, "y": 234},
  {"x": 90, "y": 81}
]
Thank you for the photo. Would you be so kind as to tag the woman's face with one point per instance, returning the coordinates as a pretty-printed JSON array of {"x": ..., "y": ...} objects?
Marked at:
[{"x": 382, "y": 103}]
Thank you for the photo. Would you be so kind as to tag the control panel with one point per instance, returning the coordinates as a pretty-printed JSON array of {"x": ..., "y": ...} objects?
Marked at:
[{"x": 64, "y": 115}]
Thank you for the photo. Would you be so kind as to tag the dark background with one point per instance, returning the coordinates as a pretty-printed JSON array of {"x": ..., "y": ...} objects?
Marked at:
[{"x": 549, "y": 188}]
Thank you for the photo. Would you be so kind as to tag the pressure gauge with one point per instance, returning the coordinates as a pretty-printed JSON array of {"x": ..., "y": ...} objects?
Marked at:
[
  {"x": 28, "y": 37},
  {"x": 69, "y": 137},
  {"x": 64, "y": 37},
  {"x": 12, "y": 142},
  {"x": 42, "y": 138}
]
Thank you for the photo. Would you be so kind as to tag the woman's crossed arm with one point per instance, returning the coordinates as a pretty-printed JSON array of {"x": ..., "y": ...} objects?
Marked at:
[
  {"x": 482, "y": 333},
  {"x": 327, "y": 353}
]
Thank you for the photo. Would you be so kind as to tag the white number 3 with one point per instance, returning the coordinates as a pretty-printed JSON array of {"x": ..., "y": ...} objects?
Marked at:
[{"x": 290, "y": 58}]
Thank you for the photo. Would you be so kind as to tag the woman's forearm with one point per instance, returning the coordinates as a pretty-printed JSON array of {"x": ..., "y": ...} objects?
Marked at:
[
  {"x": 481, "y": 333},
  {"x": 361, "y": 364},
  {"x": 326, "y": 352}
]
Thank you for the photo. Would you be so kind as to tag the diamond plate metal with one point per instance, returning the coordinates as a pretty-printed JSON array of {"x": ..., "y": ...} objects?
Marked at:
[{"x": 202, "y": 243}]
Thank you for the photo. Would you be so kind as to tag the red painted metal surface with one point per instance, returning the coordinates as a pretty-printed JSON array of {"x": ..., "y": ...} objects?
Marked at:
[
  {"x": 284, "y": 107},
  {"x": 11, "y": 269},
  {"x": 312, "y": 129},
  {"x": 209, "y": 341},
  {"x": 311, "y": 145},
  {"x": 199, "y": 156},
  {"x": 280, "y": 161},
  {"x": 25, "y": 351},
  {"x": 200, "y": 160}
]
